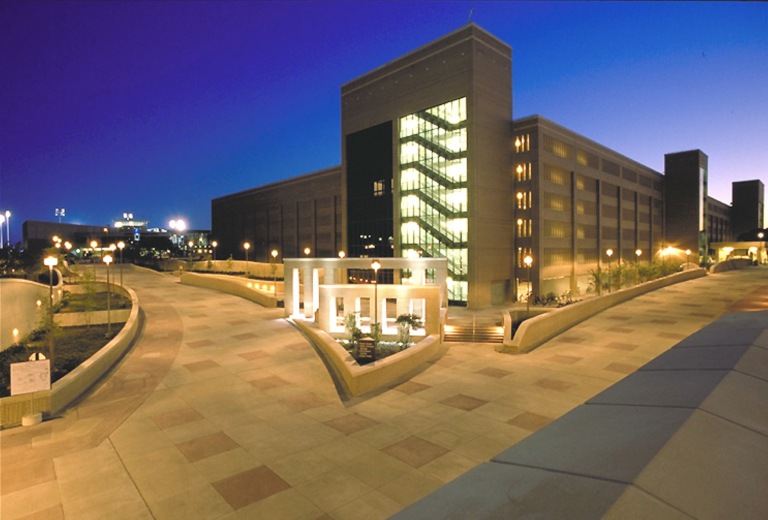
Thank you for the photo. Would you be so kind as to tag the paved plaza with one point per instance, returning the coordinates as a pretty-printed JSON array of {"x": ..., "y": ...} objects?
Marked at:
[{"x": 223, "y": 410}]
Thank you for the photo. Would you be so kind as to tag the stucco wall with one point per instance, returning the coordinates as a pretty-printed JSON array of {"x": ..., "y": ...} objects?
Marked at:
[{"x": 232, "y": 285}]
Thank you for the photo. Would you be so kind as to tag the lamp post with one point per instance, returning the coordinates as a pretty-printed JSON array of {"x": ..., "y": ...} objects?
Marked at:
[
  {"x": 214, "y": 244},
  {"x": 273, "y": 254},
  {"x": 108, "y": 260},
  {"x": 50, "y": 262},
  {"x": 247, "y": 246},
  {"x": 638, "y": 252},
  {"x": 375, "y": 265},
  {"x": 2, "y": 220},
  {"x": 307, "y": 251},
  {"x": 121, "y": 245},
  {"x": 609, "y": 252},
  {"x": 687, "y": 257},
  {"x": 8, "y": 226},
  {"x": 528, "y": 260},
  {"x": 760, "y": 252},
  {"x": 93, "y": 247}
]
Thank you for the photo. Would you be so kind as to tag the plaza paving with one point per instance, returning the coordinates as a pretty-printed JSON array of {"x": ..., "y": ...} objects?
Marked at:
[{"x": 224, "y": 411}]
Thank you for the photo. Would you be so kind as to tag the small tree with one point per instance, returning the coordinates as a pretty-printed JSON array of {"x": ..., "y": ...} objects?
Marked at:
[
  {"x": 209, "y": 264},
  {"x": 353, "y": 330},
  {"x": 597, "y": 278},
  {"x": 89, "y": 304},
  {"x": 406, "y": 323},
  {"x": 229, "y": 263}
]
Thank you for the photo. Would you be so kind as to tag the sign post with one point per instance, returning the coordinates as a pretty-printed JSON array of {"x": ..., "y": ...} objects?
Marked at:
[{"x": 30, "y": 377}]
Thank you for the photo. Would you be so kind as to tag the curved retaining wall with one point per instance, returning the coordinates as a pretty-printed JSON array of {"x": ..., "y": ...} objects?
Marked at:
[
  {"x": 730, "y": 265},
  {"x": 535, "y": 331},
  {"x": 18, "y": 307},
  {"x": 72, "y": 386},
  {"x": 231, "y": 285},
  {"x": 358, "y": 380}
]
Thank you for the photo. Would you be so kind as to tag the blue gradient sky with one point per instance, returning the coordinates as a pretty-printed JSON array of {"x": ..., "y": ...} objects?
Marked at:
[{"x": 156, "y": 108}]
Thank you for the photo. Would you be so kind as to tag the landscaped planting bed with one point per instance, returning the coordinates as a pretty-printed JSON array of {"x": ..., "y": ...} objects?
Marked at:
[{"x": 72, "y": 346}]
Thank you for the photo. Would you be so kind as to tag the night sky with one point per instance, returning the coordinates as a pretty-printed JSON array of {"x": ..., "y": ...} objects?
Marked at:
[{"x": 156, "y": 108}]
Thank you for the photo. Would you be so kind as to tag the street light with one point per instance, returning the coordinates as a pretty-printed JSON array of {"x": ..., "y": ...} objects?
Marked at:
[
  {"x": 247, "y": 246},
  {"x": 638, "y": 252},
  {"x": 342, "y": 254},
  {"x": 8, "y": 229},
  {"x": 375, "y": 265},
  {"x": 528, "y": 260},
  {"x": 274, "y": 274},
  {"x": 121, "y": 245},
  {"x": 50, "y": 262},
  {"x": 687, "y": 257},
  {"x": 609, "y": 252},
  {"x": 2, "y": 219},
  {"x": 108, "y": 260},
  {"x": 214, "y": 244},
  {"x": 307, "y": 251}
]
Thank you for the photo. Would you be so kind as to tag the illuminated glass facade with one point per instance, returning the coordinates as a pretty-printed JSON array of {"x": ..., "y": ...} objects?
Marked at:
[{"x": 433, "y": 189}]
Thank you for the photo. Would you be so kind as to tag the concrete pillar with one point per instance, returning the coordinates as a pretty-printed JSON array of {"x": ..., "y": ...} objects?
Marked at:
[
  {"x": 306, "y": 274},
  {"x": 295, "y": 292}
]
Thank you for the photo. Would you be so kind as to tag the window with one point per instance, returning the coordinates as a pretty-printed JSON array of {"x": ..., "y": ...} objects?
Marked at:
[
  {"x": 378, "y": 188},
  {"x": 523, "y": 143},
  {"x": 523, "y": 227},
  {"x": 557, "y": 175},
  {"x": 587, "y": 159},
  {"x": 523, "y": 199},
  {"x": 556, "y": 257},
  {"x": 557, "y": 147},
  {"x": 611, "y": 167},
  {"x": 586, "y": 207},
  {"x": 557, "y": 229},
  {"x": 522, "y": 252},
  {"x": 585, "y": 183},
  {"x": 523, "y": 171},
  {"x": 557, "y": 202}
]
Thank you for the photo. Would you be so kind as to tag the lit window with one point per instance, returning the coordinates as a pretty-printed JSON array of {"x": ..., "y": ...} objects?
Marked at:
[{"x": 379, "y": 189}]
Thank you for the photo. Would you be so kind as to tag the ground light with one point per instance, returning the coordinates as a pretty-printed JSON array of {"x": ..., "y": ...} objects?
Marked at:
[{"x": 50, "y": 262}]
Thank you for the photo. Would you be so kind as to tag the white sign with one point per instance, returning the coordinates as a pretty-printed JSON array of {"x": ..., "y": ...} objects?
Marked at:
[{"x": 30, "y": 376}]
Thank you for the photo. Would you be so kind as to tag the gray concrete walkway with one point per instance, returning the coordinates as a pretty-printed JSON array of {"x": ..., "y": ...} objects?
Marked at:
[{"x": 224, "y": 411}]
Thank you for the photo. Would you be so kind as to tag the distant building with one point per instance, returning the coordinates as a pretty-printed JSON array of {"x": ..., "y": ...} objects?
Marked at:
[
  {"x": 433, "y": 165},
  {"x": 748, "y": 206}
]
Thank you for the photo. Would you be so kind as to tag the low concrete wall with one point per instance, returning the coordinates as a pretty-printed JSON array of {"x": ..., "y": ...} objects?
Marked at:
[
  {"x": 358, "y": 380},
  {"x": 535, "y": 331},
  {"x": 260, "y": 270},
  {"x": 72, "y": 386},
  {"x": 231, "y": 285},
  {"x": 18, "y": 307},
  {"x": 730, "y": 265},
  {"x": 76, "y": 319}
]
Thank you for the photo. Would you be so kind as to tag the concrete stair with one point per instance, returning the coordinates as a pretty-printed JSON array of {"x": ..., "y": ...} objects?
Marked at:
[{"x": 471, "y": 334}]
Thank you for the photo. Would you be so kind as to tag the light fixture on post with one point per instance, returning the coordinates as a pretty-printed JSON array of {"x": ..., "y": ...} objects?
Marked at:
[
  {"x": 342, "y": 255},
  {"x": 307, "y": 251},
  {"x": 375, "y": 265},
  {"x": 528, "y": 260},
  {"x": 50, "y": 262},
  {"x": 8, "y": 227},
  {"x": 273, "y": 254},
  {"x": 687, "y": 257},
  {"x": 120, "y": 246},
  {"x": 246, "y": 246},
  {"x": 638, "y": 252},
  {"x": 93, "y": 245},
  {"x": 609, "y": 252},
  {"x": 2, "y": 220},
  {"x": 108, "y": 260},
  {"x": 213, "y": 245}
]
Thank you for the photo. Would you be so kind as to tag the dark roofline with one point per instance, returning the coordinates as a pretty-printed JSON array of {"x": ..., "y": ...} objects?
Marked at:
[{"x": 285, "y": 182}]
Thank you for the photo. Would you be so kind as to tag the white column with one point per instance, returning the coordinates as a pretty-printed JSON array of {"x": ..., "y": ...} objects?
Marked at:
[
  {"x": 306, "y": 273},
  {"x": 295, "y": 292}
]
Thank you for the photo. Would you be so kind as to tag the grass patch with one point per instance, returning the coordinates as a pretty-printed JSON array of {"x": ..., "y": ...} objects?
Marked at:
[
  {"x": 383, "y": 349},
  {"x": 72, "y": 346},
  {"x": 78, "y": 302}
]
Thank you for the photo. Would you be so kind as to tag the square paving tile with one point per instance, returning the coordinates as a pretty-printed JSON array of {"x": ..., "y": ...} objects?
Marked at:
[
  {"x": 207, "y": 446},
  {"x": 664, "y": 322},
  {"x": 176, "y": 418},
  {"x": 570, "y": 339},
  {"x": 567, "y": 360},
  {"x": 621, "y": 368},
  {"x": 702, "y": 314},
  {"x": 621, "y": 346},
  {"x": 411, "y": 387},
  {"x": 265, "y": 383},
  {"x": 237, "y": 322},
  {"x": 620, "y": 318},
  {"x": 530, "y": 421},
  {"x": 201, "y": 365},
  {"x": 623, "y": 330},
  {"x": 350, "y": 424},
  {"x": 498, "y": 373},
  {"x": 245, "y": 335},
  {"x": 200, "y": 343},
  {"x": 415, "y": 451},
  {"x": 250, "y": 486},
  {"x": 554, "y": 384},
  {"x": 445, "y": 362},
  {"x": 198, "y": 327},
  {"x": 305, "y": 402},
  {"x": 671, "y": 335},
  {"x": 195, "y": 316},
  {"x": 464, "y": 402},
  {"x": 299, "y": 346},
  {"x": 256, "y": 354}
]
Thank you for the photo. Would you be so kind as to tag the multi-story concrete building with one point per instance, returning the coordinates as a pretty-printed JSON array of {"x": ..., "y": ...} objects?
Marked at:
[
  {"x": 747, "y": 213},
  {"x": 432, "y": 165}
]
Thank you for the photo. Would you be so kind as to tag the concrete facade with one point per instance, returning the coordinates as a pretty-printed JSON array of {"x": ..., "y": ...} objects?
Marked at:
[{"x": 748, "y": 206}]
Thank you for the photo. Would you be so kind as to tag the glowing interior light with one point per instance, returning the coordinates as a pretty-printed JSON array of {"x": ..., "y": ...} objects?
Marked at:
[
  {"x": 457, "y": 170},
  {"x": 458, "y": 225},
  {"x": 519, "y": 222},
  {"x": 412, "y": 253},
  {"x": 454, "y": 143},
  {"x": 411, "y": 201},
  {"x": 519, "y": 168},
  {"x": 517, "y": 143}
]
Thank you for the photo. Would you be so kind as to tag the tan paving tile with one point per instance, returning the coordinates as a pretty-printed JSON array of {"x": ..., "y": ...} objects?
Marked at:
[
  {"x": 52, "y": 513},
  {"x": 201, "y": 365},
  {"x": 203, "y": 502},
  {"x": 554, "y": 384},
  {"x": 226, "y": 464},
  {"x": 207, "y": 446},
  {"x": 333, "y": 490},
  {"x": 411, "y": 387},
  {"x": 463, "y": 402},
  {"x": 372, "y": 506},
  {"x": 286, "y": 505},
  {"x": 352, "y": 423},
  {"x": 415, "y": 451},
  {"x": 265, "y": 383},
  {"x": 250, "y": 486},
  {"x": 497, "y": 373},
  {"x": 530, "y": 421},
  {"x": 305, "y": 401},
  {"x": 176, "y": 417}
]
